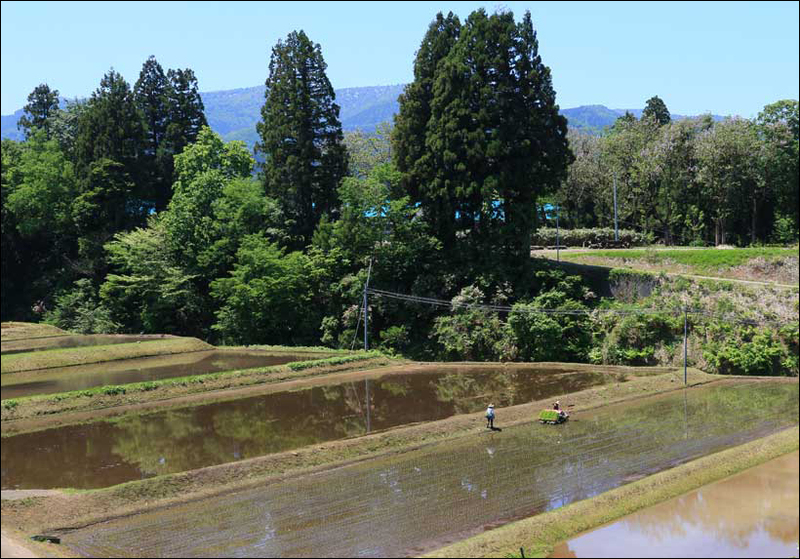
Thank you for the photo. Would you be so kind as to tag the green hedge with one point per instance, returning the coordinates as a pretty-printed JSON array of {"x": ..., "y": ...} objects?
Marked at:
[{"x": 546, "y": 236}]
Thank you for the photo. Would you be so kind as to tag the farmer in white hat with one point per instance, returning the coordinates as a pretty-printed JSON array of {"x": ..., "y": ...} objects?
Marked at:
[{"x": 490, "y": 417}]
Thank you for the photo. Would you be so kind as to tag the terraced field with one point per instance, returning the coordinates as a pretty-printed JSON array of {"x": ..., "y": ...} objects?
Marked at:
[{"x": 303, "y": 452}]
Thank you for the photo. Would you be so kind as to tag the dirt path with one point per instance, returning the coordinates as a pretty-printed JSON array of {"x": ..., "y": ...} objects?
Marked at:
[
  {"x": 18, "y": 494},
  {"x": 745, "y": 282},
  {"x": 550, "y": 255},
  {"x": 12, "y": 548}
]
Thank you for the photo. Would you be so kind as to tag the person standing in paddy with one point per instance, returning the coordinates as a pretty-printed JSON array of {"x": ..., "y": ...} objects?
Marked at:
[{"x": 490, "y": 417}]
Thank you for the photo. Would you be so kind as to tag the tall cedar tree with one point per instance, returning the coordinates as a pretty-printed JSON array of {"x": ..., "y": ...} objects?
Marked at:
[
  {"x": 414, "y": 159},
  {"x": 656, "y": 109},
  {"x": 174, "y": 114},
  {"x": 111, "y": 127},
  {"x": 152, "y": 93},
  {"x": 494, "y": 140},
  {"x": 108, "y": 165},
  {"x": 301, "y": 136},
  {"x": 42, "y": 107},
  {"x": 186, "y": 111}
]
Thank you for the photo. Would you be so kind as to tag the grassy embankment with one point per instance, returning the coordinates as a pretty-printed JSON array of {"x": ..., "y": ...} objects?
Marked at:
[
  {"x": 11, "y": 331},
  {"x": 779, "y": 265},
  {"x": 67, "y": 357},
  {"x": 76, "y": 508},
  {"x": 538, "y": 535}
]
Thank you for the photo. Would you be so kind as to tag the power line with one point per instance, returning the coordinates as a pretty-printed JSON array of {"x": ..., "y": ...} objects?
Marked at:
[{"x": 442, "y": 303}]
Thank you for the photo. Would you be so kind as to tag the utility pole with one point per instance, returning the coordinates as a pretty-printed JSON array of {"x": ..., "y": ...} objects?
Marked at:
[
  {"x": 558, "y": 238},
  {"x": 369, "y": 422},
  {"x": 366, "y": 302},
  {"x": 616, "y": 224},
  {"x": 685, "y": 342}
]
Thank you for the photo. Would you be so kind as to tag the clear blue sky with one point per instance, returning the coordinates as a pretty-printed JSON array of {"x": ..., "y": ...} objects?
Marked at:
[{"x": 720, "y": 57}]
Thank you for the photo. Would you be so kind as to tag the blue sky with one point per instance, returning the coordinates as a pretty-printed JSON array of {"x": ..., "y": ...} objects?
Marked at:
[{"x": 720, "y": 57}]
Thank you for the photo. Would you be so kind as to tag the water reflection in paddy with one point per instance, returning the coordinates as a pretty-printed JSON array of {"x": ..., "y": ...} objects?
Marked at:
[
  {"x": 408, "y": 504},
  {"x": 106, "y": 453},
  {"x": 65, "y": 379},
  {"x": 752, "y": 514}
]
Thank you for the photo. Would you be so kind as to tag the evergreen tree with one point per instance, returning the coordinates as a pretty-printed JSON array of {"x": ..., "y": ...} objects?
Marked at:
[
  {"x": 301, "y": 136},
  {"x": 656, "y": 109},
  {"x": 413, "y": 157},
  {"x": 494, "y": 140},
  {"x": 42, "y": 107},
  {"x": 173, "y": 113},
  {"x": 110, "y": 127},
  {"x": 112, "y": 183},
  {"x": 624, "y": 121},
  {"x": 186, "y": 111},
  {"x": 152, "y": 94}
]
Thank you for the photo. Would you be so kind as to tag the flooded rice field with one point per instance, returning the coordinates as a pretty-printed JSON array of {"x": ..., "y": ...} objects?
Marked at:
[
  {"x": 60, "y": 342},
  {"x": 81, "y": 377},
  {"x": 752, "y": 514},
  {"x": 109, "y": 452},
  {"x": 417, "y": 501}
]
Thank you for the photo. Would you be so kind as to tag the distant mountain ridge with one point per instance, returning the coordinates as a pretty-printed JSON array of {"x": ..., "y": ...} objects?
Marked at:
[{"x": 233, "y": 113}]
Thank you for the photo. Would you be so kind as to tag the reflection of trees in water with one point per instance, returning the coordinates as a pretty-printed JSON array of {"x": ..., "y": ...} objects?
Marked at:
[
  {"x": 153, "y": 443},
  {"x": 732, "y": 510}
]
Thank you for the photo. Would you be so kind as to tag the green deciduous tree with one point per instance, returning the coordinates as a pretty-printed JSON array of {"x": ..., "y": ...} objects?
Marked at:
[
  {"x": 470, "y": 334},
  {"x": 39, "y": 237},
  {"x": 150, "y": 290},
  {"x": 301, "y": 136},
  {"x": 779, "y": 131},
  {"x": 728, "y": 171},
  {"x": 80, "y": 310},
  {"x": 266, "y": 297},
  {"x": 542, "y": 336}
]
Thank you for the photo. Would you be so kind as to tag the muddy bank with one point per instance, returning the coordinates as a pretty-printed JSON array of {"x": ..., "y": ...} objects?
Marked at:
[
  {"x": 86, "y": 355},
  {"x": 81, "y": 377},
  {"x": 105, "y": 453},
  {"x": 404, "y": 504},
  {"x": 752, "y": 514},
  {"x": 98, "y": 505}
]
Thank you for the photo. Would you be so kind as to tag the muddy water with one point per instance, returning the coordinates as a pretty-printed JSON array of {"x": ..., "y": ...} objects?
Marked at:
[
  {"x": 64, "y": 379},
  {"x": 58, "y": 342},
  {"x": 753, "y": 514},
  {"x": 106, "y": 453},
  {"x": 411, "y": 503}
]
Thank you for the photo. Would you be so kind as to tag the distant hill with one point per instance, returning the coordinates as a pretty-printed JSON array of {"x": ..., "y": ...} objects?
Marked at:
[{"x": 233, "y": 113}]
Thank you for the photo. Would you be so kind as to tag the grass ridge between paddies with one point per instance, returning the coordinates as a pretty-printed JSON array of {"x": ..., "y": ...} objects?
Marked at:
[
  {"x": 66, "y": 357},
  {"x": 539, "y": 534},
  {"x": 12, "y": 331}
]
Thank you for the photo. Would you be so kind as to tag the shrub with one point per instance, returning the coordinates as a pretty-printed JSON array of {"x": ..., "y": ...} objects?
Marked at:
[
  {"x": 79, "y": 310},
  {"x": 582, "y": 237}
]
